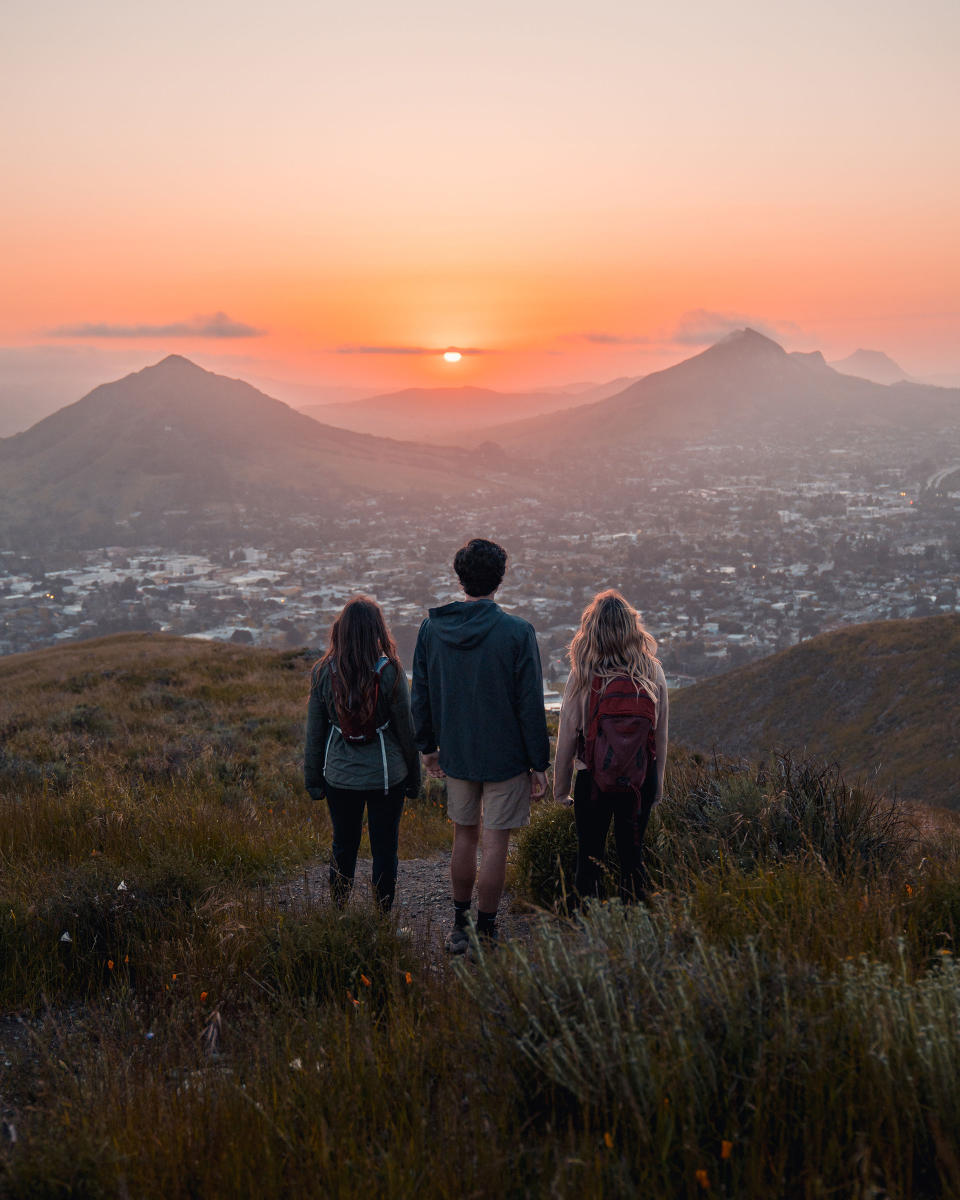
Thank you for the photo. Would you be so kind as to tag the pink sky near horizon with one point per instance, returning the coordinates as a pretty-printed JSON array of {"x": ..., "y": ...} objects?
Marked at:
[{"x": 518, "y": 180}]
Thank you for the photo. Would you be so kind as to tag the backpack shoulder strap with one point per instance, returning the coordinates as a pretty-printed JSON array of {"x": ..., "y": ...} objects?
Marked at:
[{"x": 593, "y": 710}]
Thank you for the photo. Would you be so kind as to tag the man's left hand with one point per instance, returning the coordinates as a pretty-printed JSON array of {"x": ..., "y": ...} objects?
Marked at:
[
  {"x": 431, "y": 764},
  {"x": 538, "y": 785}
]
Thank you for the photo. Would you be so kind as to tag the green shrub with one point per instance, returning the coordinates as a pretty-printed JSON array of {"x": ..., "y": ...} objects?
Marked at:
[{"x": 544, "y": 857}]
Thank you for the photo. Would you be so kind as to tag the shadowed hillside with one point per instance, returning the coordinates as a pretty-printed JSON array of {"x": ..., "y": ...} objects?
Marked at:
[{"x": 880, "y": 699}]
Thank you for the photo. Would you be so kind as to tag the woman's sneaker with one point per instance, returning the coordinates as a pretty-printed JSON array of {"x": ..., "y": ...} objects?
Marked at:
[{"x": 457, "y": 940}]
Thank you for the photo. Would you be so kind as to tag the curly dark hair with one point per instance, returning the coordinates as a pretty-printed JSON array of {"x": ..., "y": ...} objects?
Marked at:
[{"x": 480, "y": 566}]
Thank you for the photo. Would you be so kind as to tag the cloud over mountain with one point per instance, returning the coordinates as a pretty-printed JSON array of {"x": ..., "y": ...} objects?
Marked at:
[{"x": 700, "y": 326}]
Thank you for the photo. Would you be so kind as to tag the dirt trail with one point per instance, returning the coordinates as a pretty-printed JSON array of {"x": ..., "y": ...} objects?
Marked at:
[{"x": 423, "y": 896}]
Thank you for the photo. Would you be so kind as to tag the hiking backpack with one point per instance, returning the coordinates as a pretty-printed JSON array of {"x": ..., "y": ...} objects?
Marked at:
[
  {"x": 353, "y": 731},
  {"x": 619, "y": 746}
]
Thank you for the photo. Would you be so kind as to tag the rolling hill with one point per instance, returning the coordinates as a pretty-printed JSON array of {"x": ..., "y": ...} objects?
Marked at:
[
  {"x": 743, "y": 386},
  {"x": 871, "y": 364},
  {"x": 438, "y": 414},
  {"x": 880, "y": 699},
  {"x": 174, "y": 436}
]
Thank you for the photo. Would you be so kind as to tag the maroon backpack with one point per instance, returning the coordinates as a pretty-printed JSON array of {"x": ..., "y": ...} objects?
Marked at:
[{"x": 619, "y": 744}]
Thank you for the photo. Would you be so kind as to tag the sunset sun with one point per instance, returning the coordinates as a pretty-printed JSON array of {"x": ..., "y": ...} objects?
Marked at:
[{"x": 452, "y": 356}]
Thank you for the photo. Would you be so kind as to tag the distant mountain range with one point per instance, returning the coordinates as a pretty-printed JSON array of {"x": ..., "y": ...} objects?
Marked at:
[
  {"x": 880, "y": 699},
  {"x": 174, "y": 436},
  {"x": 873, "y": 365},
  {"x": 744, "y": 385},
  {"x": 447, "y": 414}
]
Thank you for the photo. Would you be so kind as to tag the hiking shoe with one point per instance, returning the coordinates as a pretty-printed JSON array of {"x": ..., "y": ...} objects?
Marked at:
[
  {"x": 457, "y": 940},
  {"x": 483, "y": 943}
]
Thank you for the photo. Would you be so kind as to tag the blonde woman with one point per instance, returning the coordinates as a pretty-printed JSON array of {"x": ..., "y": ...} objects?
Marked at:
[{"x": 613, "y": 729}]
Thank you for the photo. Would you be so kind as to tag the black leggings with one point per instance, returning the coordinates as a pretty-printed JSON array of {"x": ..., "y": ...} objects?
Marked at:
[
  {"x": 383, "y": 816},
  {"x": 593, "y": 811}
]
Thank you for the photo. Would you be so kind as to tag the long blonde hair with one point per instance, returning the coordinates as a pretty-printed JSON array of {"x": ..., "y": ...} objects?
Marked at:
[{"x": 612, "y": 641}]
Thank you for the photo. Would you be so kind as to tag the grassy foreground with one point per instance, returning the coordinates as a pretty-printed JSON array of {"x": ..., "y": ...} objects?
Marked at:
[{"x": 783, "y": 1019}]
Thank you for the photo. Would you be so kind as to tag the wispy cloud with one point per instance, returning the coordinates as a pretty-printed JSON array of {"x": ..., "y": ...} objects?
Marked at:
[
  {"x": 701, "y": 327},
  {"x": 597, "y": 337},
  {"x": 216, "y": 325},
  {"x": 464, "y": 350},
  {"x": 614, "y": 339}
]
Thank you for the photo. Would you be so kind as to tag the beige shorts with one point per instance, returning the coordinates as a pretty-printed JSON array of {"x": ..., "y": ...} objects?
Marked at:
[{"x": 504, "y": 804}]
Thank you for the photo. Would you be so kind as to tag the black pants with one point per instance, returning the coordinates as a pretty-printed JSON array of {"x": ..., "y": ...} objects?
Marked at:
[
  {"x": 383, "y": 816},
  {"x": 593, "y": 811}
]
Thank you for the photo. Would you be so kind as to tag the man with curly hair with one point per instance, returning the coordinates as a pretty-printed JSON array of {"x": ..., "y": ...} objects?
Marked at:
[{"x": 480, "y": 722}]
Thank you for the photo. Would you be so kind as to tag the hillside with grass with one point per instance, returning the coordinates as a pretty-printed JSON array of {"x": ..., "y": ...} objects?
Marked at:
[
  {"x": 880, "y": 699},
  {"x": 780, "y": 1019}
]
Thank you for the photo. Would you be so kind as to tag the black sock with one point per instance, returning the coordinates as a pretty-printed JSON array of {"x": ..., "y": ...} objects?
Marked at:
[
  {"x": 461, "y": 910},
  {"x": 486, "y": 922}
]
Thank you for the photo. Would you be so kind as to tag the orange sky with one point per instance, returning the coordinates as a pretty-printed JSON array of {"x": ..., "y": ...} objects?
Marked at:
[{"x": 579, "y": 191}]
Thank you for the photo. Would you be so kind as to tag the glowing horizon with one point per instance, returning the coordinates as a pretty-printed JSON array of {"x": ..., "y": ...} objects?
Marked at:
[{"x": 618, "y": 187}]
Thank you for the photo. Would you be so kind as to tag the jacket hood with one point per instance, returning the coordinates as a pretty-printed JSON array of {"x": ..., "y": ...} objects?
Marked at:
[{"x": 465, "y": 623}]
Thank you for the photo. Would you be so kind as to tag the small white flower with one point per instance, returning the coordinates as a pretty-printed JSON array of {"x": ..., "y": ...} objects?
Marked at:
[
  {"x": 296, "y": 1064},
  {"x": 65, "y": 937},
  {"x": 121, "y": 886}
]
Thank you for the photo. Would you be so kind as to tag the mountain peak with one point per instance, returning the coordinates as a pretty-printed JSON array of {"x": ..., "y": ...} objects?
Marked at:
[
  {"x": 175, "y": 362},
  {"x": 741, "y": 346},
  {"x": 748, "y": 338}
]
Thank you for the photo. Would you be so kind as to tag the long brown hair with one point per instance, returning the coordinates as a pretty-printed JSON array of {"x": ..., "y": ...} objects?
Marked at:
[
  {"x": 612, "y": 641},
  {"x": 358, "y": 637}
]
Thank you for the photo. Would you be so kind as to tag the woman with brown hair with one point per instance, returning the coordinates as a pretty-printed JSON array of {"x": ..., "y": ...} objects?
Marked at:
[
  {"x": 613, "y": 728},
  {"x": 359, "y": 751}
]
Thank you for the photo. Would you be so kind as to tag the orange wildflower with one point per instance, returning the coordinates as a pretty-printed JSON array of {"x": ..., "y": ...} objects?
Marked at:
[
  {"x": 365, "y": 981},
  {"x": 703, "y": 1179},
  {"x": 109, "y": 964},
  {"x": 126, "y": 958},
  {"x": 726, "y": 1149},
  {"x": 608, "y": 1140},
  {"x": 353, "y": 1000},
  {"x": 408, "y": 977},
  {"x": 203, "y": 997}
]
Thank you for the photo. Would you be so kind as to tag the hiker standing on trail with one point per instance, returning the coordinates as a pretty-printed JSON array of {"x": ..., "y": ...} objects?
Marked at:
[
  {"x": 360, "y": 750},
  {"x": 479, "y": 718},
  {"x": 613, "y": 727}
]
